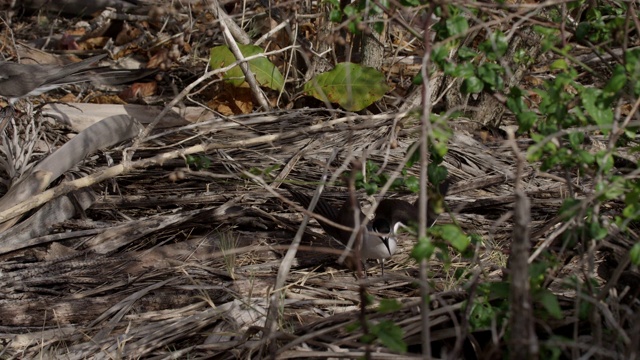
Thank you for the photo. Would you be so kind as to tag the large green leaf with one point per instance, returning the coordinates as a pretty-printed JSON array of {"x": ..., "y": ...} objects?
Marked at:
[
  {"x": 352, "y": 86},
  {"x": 267, "y": 74}
]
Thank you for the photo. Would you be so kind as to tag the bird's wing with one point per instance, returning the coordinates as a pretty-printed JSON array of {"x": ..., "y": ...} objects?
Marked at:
[{"x": 323, "y": 207}]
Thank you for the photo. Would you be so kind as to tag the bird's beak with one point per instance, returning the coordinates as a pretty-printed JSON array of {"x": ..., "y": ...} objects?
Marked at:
[{"x": 385, "y": 241}]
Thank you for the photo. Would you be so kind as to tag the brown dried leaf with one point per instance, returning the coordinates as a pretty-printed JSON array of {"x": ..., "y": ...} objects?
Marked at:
[
  {"x": 138, "y": 91},
  {"x": 127, "y": 35},
  {"x": 159, "y": 58},
  {"x": 234, "y": 101}
]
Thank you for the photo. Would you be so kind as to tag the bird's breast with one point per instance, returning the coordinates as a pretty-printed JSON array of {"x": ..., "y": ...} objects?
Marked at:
[{"x": 375, "y": 247}]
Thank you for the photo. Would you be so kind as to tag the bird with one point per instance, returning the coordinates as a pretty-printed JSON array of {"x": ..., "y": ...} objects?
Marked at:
[
  {"x": 373, "y": 246},
  {"x": 379, "y": 237},
  {"x": 22, "y": 80},
  {"x": 392, "y": 214}
]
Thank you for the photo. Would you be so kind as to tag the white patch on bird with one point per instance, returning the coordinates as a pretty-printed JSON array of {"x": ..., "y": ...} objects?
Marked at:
[{"x": 397, "y": 226}]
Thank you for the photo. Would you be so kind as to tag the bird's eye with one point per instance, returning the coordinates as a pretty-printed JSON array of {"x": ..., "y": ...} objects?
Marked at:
[{"x": 381, "y": 226}]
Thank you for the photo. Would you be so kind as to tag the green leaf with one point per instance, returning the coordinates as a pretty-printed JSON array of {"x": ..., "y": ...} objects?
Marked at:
[
  {"x": 436, "y": 173},
  {"x": 515, "y": 102},
  {"x": 201, "y": 162},
  {"x": 472, "y": 85},
  {"x": 350, "y": 10},
  {"x": 632, "y": 60},
  {"x": 482, "y": 314},
  {"x": 378, "y": 26},
  {"x": 390, "y": 335},
  {"x": 449, "y": 68},
  {"x": 496, "y": 46},
  {"x": 605, "y": 160},
  {"x": 417, "y": 80},
  {"x": 266, "y": 73},
  {"x": 371, "y": 188},
  {"x": 618, "y": 80},
  {"x": 412, "y": 184},
  {"x": 546, "y": 31},
  {"x": 439, "y": 55},
  {"x": 454, "y": 236},
  {"x": 353, "y": 13},
  {"x": 414, "y": 149},
  {"x": 457, "y": 25},
  {"x": 582, "y": 31},
  {"x": 526, "y": 120},
  {"x": 352, "y": 86},
  {"x": 389, "y": 306},
  {"x": 560, "y": 64},
  {"x": 576, "y": 138},
  {"x": 602, "y": 115},
  {"x": 464, "y": 70},
  {"x": 466, "y": 53},
  {"x": 634, "y": 254},
  {"x": 550, "y": 303},
  {"x": 491, "y": 73},
  {"x": 423, "y": 249},
  {"x": 596, "y": 231},
  {"x": 335, "y": 15},
  {"x": 593, "y": 14},
  {"x": 585, "y": 157}
]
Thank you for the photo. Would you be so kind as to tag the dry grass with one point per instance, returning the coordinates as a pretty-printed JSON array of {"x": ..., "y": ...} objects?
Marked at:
[{"x": 187, "y": 269}]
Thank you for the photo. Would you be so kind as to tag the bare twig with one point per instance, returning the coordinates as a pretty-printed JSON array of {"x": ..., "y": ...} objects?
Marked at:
[
  {"x": 523, "y": 342},
  {"x": 244, "y": 65},
  {"x": 425, "y": 131}
]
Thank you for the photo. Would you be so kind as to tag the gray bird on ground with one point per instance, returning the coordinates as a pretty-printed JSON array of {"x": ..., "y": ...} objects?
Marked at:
[{"x": 379, "y": 238}]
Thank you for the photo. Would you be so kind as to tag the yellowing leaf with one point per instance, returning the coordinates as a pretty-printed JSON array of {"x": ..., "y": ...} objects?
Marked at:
[
  {"x": 352, "y": 86},
  {"x": 266, "y": 73}
]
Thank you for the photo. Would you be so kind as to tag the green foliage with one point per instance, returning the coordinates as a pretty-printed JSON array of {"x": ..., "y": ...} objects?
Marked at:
[
  {"x": 424, "y": 249},
  {"x": 561, "y": 116},
  {"x": 456, "y": 25},
  {"x": 386, "y": 331},
  {"x": 634, "y": 254},
  {"x": 604, "y": 23},
  {"x": 475, "y": 79},
  {"x": 484, "y": 313},
  {"x": 266, "y": 73},
  {"x": 266, "y": 173},
  {"x": 550, "y": 303},
  {"x": 389, "y": 334},
  {"x": 515, "y": 102},
  {"x": 357, "y": 12},
  {"x": 495, "y": 47},
  {"x": 371, "y": 179},
  {"x": 566, "y": 109},
  {"x": 352, "y": 86},
  {"x": 389, "y": 306},
  {"x": 442, "y": 237},
  {"x": 201, "y": 162},
  {"x": 453, "y": 23},
  {"x": 453, "y": 235}
]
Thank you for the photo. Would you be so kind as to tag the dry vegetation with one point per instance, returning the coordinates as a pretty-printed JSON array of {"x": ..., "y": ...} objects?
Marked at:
[{"x": 175, "y": 251}]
